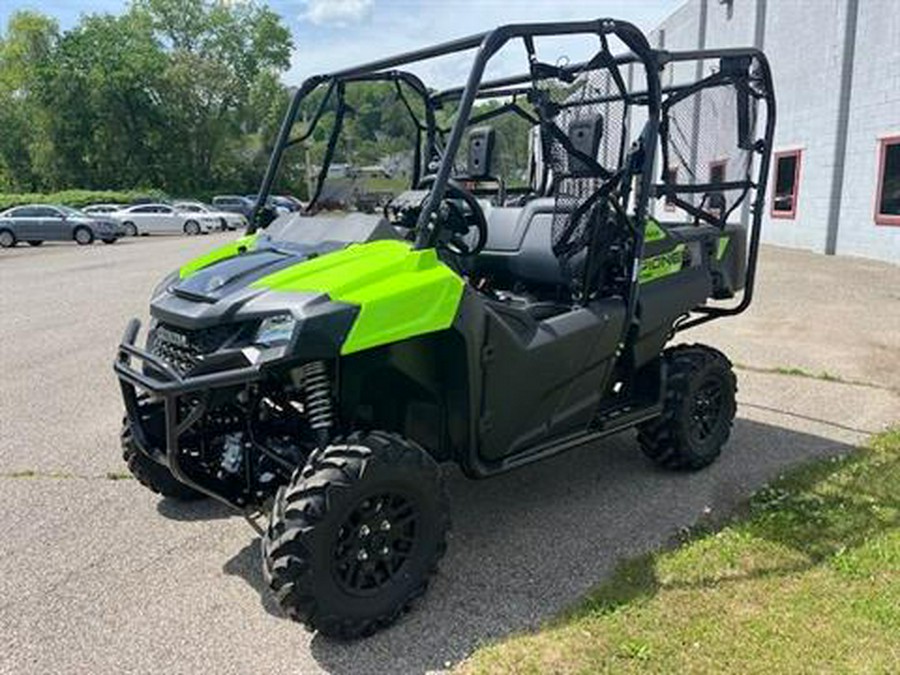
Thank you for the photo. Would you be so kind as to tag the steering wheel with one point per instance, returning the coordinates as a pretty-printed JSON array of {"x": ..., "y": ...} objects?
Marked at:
[{"x": 459, "y": 222}]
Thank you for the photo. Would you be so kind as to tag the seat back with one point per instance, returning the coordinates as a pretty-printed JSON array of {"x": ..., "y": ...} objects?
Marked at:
[{"x": 583, "y": 138}]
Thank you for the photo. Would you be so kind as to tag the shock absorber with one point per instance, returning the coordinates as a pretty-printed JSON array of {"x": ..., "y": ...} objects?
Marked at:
[{"x": 317, "y": 399}]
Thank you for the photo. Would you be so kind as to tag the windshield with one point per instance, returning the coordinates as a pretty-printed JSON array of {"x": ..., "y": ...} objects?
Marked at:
[
  {"x": 356, "y": 146},
  {"x": 69, "y": 211}
]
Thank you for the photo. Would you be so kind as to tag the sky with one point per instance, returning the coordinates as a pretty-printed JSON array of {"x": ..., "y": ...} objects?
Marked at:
[{"x": 334, "y": 34}]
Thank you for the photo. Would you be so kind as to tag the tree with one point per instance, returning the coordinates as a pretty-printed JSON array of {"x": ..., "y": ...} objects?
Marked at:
[
  {"x": 178, "y": 94},
  {"x": 26, "y": 51}
]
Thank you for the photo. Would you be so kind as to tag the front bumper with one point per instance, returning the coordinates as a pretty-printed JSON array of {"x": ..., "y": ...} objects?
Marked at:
[{"x": 163, "y": 383}]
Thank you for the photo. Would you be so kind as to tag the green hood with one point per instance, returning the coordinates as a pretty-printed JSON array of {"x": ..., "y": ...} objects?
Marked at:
[{"x": 401, "y": 292}]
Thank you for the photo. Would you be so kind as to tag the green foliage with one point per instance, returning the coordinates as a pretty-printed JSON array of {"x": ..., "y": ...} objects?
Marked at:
[
  {"x": 181, "y": 94},
  {"x": 185, "y": 95},
  {"x": 78, "y": 198}
]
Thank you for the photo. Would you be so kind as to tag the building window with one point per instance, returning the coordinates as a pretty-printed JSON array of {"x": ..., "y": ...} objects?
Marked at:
[
  {"x": 887, "y": 203},
  {"x": 717, "y": 171},
  {"x": 670, "y": 179},
  {"x": 787, "y": 184}
]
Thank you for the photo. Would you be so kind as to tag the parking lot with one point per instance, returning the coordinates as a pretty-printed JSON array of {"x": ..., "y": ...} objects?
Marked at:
[{"x": 99, "y": 575}]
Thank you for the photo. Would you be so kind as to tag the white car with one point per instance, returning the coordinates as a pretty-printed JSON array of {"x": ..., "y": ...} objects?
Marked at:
[
  {"x": 162, "y": 219},
  {"x": 226, "y": 219}
]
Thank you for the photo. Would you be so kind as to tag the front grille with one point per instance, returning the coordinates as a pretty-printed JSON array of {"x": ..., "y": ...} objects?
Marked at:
[{"x": 182, "y": 349}]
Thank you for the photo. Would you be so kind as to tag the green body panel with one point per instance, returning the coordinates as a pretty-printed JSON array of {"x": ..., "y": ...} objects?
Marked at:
[
  {"x": 401, "y": 292},
  {"x": 227, "y": 251},
  {"x": 722, "y": 247},
  {"x": 652, "y": 231},
  {"x": 662, "y": 265}
]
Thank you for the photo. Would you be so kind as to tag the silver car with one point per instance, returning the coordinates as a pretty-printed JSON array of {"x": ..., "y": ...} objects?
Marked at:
[
  {"x": 37, "y": 223},
  {"x": 162, "y": 219}
]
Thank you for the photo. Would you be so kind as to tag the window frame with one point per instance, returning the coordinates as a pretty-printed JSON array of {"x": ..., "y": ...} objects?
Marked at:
[
  {"x": 888, "y": 219},
  {"x": 50, "y": 212},
  {"x": 792, "y": 214}
]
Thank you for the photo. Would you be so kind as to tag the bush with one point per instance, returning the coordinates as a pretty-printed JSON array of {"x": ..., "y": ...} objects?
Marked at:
[{"x": 79, "y": 198}]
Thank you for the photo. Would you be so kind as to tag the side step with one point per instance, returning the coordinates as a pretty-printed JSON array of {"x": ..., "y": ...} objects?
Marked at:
[
  {"x": 612, "y": 422},
  {"x": 625, "y": 416}
]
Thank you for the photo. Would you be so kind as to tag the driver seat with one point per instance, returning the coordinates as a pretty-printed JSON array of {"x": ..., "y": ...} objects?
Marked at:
[{"x": 525, "y": 244}]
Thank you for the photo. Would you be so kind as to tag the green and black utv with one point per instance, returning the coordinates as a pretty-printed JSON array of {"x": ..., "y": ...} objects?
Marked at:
[{"x": 515, "y": 299}]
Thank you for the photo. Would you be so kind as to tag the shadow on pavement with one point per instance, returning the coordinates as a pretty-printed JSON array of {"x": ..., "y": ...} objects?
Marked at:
[
  {"x": 247, "y": 565},
  {"x": 527, "y": 544},
  {"x": 206, "y": 509}
]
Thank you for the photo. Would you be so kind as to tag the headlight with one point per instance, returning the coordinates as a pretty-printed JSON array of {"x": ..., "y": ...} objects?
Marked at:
[{"x": 275, "y": 330}]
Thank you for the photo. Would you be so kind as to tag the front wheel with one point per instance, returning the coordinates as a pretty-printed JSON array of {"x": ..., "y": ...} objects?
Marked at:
[
  {"x": 130, "y": 229},
  {"x": 153, "y": 476},
  {"x": 192, "y": 227},
  {"x": 698, "y": 411},
  {"x": 356, "y": 534},
  {"x": 83, "y": 236}
]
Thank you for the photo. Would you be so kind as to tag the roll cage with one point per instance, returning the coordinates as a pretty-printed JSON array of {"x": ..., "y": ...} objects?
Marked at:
[{"x": 634, "y": 169}]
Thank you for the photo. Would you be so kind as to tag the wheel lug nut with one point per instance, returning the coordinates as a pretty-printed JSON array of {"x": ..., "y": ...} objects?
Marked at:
[
  {"x": 364, "y": 531},
  {"x": 385, "y": 525},
  {"x": 362, "y": 555}
]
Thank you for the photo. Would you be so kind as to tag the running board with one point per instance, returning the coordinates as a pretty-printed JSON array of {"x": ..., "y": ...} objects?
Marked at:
[{"x": 611, "y": 423}]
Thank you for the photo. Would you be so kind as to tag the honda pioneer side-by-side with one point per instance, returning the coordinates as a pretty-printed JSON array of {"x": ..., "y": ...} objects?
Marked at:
[{"x": 531, "y": 246}]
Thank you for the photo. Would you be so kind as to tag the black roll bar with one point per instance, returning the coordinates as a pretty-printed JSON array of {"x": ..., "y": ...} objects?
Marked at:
[{"x": 487, "y": 44}]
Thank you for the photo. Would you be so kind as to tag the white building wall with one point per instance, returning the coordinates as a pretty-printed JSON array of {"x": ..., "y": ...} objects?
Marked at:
[
  {"x": 732, "y": 27},
  {"x": 804, "y": 41},
  {"x": 874, "y": 114},
  {"x": 805, "y": 49}
]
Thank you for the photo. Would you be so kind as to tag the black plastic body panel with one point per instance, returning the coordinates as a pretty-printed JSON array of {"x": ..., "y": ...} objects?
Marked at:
[{"x": 543, "y": 378}]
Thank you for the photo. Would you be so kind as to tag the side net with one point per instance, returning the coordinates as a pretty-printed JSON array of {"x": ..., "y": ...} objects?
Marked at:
[{"x": 707, "y": 135}]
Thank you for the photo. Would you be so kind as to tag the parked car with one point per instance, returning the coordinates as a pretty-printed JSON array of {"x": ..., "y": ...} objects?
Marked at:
[
  {"x": 233, "y": 204},
  {"x": 291, "y": 202},
  {"x": 37, "y": 223},
  {"x": 162, "y": 219},
  {"x": 100, "y": 209},
  {"x": 281, "y": 205},
  {"x": 228, "y": 220}
]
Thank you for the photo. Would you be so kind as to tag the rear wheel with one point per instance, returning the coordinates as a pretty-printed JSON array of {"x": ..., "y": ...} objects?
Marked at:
[
  {"x": 153, "y": 476},
  {"x": 698, "y": 412},
  {"x": 7, "y": 239},
  {"x": 83, "y": 236},
  {"x": 192, "y": 227},
  {"x": 37, "y": 242},
  {"x": 356, "y": 534},
  {"x": 130, "y": 229}
]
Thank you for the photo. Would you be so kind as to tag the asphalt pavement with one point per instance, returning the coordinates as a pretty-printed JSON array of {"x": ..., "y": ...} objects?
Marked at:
[{"x": 98, "y": 575}]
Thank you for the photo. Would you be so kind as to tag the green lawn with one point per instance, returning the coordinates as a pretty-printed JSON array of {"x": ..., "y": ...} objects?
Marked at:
[{"x": 806, "y": 580}]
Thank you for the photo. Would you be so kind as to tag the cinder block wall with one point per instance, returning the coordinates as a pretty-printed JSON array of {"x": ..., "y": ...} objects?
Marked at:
[{"x": 874, "y": 114}]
